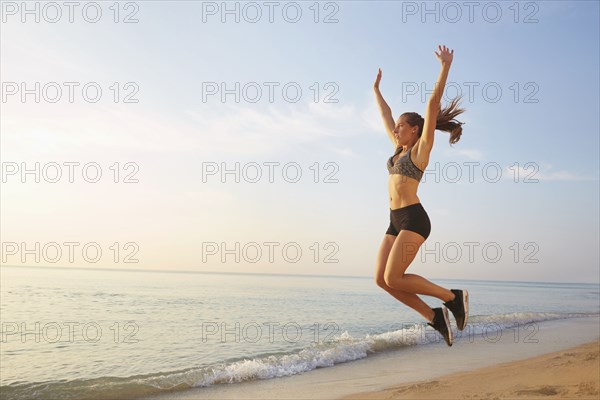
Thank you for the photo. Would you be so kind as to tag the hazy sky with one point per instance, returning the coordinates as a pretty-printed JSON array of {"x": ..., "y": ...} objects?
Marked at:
[{"x": 256, "y": 146}]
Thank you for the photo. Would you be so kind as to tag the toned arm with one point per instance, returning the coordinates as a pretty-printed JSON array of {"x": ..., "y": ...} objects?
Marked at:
[
  {"x": 385, "y": 111},
  {"x": 434, "y": 102}
]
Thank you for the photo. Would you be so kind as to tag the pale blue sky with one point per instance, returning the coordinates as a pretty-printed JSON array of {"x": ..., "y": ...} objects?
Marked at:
[{"x": 170, "y": 52}]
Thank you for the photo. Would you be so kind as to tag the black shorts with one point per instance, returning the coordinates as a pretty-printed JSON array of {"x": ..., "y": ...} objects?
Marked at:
[{"x": 411, "y": 218}]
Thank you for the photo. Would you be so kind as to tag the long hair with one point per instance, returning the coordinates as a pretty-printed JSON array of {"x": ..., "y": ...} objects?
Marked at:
[{"x": 445, "y": 120}]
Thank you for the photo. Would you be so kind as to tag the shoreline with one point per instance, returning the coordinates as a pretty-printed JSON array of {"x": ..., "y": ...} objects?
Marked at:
[
  {"x": 412, "y": 365},
  {"x": 573, "y": 373}
]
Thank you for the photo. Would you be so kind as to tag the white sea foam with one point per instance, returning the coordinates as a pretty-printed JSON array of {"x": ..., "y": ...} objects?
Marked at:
[
  {"x": 339, "y": 349},
  {"x": 344, "y": 347}
]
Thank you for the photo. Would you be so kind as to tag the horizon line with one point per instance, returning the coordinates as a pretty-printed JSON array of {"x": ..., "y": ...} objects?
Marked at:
[{"x": 268, "y": 273}]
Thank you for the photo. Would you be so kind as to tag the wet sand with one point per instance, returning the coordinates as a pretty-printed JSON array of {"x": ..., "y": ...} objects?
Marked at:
[{"x": 569, "y": 374}]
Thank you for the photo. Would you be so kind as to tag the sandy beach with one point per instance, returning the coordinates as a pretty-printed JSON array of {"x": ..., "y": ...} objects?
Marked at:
[{"x": 569, "y": 374}]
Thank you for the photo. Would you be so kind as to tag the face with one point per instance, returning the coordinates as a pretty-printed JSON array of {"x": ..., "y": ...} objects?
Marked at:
[{"x": 403, "y": 132}]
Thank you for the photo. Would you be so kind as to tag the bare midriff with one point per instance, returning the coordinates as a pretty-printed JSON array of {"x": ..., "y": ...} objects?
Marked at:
[{"x": 403, "y": 191}]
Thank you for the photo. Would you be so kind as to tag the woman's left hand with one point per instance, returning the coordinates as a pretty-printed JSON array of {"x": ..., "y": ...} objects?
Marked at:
[{"x": 445, "y": 55}]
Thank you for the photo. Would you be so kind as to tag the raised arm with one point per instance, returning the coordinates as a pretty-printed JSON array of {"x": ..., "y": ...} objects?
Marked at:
[
  {"x": 385, "y": 110},
  {"x": 433, "y": 104}
]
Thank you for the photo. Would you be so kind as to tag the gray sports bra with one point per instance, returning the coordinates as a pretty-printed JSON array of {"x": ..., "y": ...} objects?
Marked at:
[{"x": 404, "y": 165}]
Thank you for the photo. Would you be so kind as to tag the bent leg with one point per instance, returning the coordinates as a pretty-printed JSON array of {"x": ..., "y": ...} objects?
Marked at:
[
  {"x": 410, "y": 299},
  {"x": 401, "y": 255}
]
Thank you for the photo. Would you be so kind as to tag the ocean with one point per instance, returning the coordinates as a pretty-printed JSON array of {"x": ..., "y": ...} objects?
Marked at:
[{"x": 100, "y": 334}]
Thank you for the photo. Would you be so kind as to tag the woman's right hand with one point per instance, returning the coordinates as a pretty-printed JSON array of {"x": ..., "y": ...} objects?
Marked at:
[{"x": 377, "y": 80}]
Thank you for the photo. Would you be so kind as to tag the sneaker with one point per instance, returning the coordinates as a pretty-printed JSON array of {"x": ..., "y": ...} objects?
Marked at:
[
  {"x": 459, "y": 307},
  {"x": 441, "y": 323}
]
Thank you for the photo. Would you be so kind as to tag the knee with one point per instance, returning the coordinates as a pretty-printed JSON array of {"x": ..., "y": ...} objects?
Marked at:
[
  {"x": 380, "y": 281},
  {"x": 394, "y": 281}
]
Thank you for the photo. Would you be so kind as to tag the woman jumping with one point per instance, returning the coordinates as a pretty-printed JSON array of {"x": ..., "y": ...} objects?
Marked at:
[{"x": 412, "y": 136}]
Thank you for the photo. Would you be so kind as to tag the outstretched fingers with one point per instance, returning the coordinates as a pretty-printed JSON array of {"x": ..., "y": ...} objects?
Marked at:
[{"x": 445, "y": 55}]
